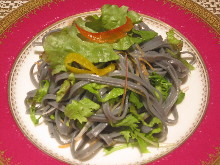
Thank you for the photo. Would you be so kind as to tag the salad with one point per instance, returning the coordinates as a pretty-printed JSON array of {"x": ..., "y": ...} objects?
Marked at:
[{"x": 108, "y": 82}]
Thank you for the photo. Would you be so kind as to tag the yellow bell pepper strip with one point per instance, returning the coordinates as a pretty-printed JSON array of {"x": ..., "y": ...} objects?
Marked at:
[
  {"x": 85, "y": 63},
  {"x": 109, "y": 36}
]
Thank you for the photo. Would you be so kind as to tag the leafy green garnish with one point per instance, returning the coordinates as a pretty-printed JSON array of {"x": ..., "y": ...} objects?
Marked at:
[
  {"x": 131, "y": 130},
  {"x": 140, "y": 117},
  {"x": 173, "y": 41},
  {"x": 188, "y": 65},
  {"x": 80, "y": 110},
  {"x": 177, "y": 45},
  {"x": 63, "y": 90},
  {"x": 41, "y": 92},
  {"x": 38, "y": 97},
  {"x": 94, "y": 22},
  {"x": 134, "y": 98},
  {"x": 128, "y": 121},
  {"x": 180, "y": 98},
  {"x": 178, "y": 56},
  {"x": 94, "y": 88},
  {"x": 32, "y": 115},
  {"x": 114, "y": 93},
  {"x": 109, "y": 150},
  {"x": 135, "y": 37},
  {"x": 65, "y": 87},
  {"x": 143, "y": 36},
  {"x": 52, "y": 117},
  {"x": 161, "y": 84},
  {"x": 157, "y": 126}
]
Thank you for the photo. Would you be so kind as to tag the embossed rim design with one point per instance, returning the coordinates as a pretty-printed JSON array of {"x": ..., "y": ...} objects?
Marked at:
[{"x": 20, "y": 59}]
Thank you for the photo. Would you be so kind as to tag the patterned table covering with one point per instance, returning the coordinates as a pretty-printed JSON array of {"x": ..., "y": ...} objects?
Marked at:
[{"x": 9, "y": 5}]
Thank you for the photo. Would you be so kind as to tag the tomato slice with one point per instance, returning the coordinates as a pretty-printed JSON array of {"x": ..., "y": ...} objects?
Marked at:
[{"x": 109, "y": 36}]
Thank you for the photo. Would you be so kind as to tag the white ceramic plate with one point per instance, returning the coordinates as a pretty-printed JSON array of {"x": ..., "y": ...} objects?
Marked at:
[{"x": 190, "y": 110}]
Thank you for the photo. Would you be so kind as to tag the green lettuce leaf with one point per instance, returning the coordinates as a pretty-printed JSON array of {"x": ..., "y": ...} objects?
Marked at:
[
  {"x": 80, "y": 110},
  {"x": 95, "y": 23},
  {"x": 143, "y": 36},
  {"x": 113, "y": 16},
  {"x": 134, "y": 16},
  {"x": 135, "y": 37},
  {"x": 124, "y": 43},
  {"x": 58, "y": 69},
  {"x": 59, "y": 44},
  {"x": 84, "y": 24}
]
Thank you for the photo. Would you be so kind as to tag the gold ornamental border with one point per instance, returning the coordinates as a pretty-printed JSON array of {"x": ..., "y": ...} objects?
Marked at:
[{"x": 31, "y": 7}]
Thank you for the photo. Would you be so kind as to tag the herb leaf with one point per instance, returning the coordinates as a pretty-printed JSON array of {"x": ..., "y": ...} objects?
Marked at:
[
  {"x": 80, "y": 110},
  {"x": 161, "y": 84}
]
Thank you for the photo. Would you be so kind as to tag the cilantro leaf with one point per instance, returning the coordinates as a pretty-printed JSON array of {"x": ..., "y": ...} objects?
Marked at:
[
  {"x": 173, "y": 41},
  {"x": 140, "y": 117},
  {"x": 127, "y": 134},
  {"x": 134, "y": 98},
  {"x": 65, "y": 86},
  {"x": 42, "y": 91},
  {"x": 32, "y": 115},
  {"x": 62, "y": 91},
  {"x": 128, "y": 121},
  {"x": 94, "y": 88},
  {"x": 161, "y": 84},
  {"x": 38, "y": 97},
  {"x": 114, "y": 93},
  {"x": 109, "y": 150},
  {"x": 178, "y": 56},
  {"x": 180, "y": 98},
  {"x": 157, "y": 126},
  {"x": 80, "y": 110}
]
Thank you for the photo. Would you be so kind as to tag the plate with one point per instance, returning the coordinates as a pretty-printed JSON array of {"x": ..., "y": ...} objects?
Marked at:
[{"x": 19, "y": 133}]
